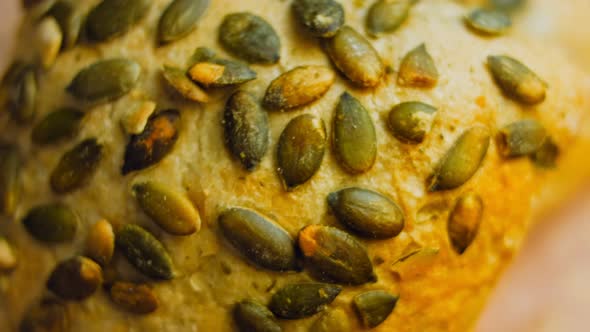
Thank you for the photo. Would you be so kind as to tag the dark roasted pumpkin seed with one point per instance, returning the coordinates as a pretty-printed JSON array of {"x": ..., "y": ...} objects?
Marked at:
[
  {"x": 298, "y": 87},
  {"x": 135, "y": 298},
  {"x": 260, "y": 240},
  {"x": 75, "y": 279},
  {"x": 322, "y": 18},
  {"x": 56, "y": 126},
  {"x": 112, "y": 18},
  {"x": 302, "y": 300},
  {"x": 100, "y": 243},
  {"x": 20, "y": 84},
  {"x": 145, "y": 252},
  {"x": 178, "y": 80},
  {"x": 76, "y": 167},
  {"x": 70, "y": 21},
  {"x": 489, "y": 22},
  {"x": 464, "y": 221},
  {"x": 301, "y": 150},
  {"x": 53, "y": 223},
  {"x": 10, "y": 174},
  {"x": 418, "y": 69},
  {"x": 250, "y": 37},
  {"x": 463, "y": 159},
  {"x": 332, "y": 320},
  {"x": 367, "y": 213},
  {"x": 8, "y": 260},
  {"x": 521, "y": 138},
  {"x": 334, "y": 255},
  {"x": 516, "y": 80},
  {"x": 49, "y": 316},
  {"x": 546, "y": 156},
  {"x": 373, "y": 307},
  {"x": 386, "y": 16},
  {"x": 154, "y": 143},
  {"x": 180, "y": 18},
  {"x": 411, "y": 121},
  {"x": 246, "y": 129},
  {"x": 217, "y": 73},
  {"x": 251, "y": 316}
]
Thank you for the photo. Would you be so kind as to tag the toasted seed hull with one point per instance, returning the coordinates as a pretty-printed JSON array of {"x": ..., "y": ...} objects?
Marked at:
[
  {"x": 113, "y": 18},
  {"x": 105, "y": 80},
  {"x": 464, "y": 221},
  {"x": 135, "y": 298},
  {"x": 321, "y": 18},
  {"x": 298, "y": 87},
  {"x": 387, "y": 16},
  {"x": 373, "y": 307},
  {"x": 75, "y": 279},
  {"x": 180, "y": 18},
  {"x": 251, "y": 316},
  {"x": 76, "y": 167},
  {"x": 52, "y": 223},
  {"x": 296, "y": 301},
  {"x": 10, "y": 179},
  {"x": 410, "y": 122}
]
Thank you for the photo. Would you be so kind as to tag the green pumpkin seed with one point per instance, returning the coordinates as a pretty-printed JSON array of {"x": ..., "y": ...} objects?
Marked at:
[
  {"x": 113, "y": 18},
  {"x": 302, "y": 300},
  {"x": 105, "y": 80},
  {"x": 464, "y": 221},
  {"x": 178, "y": 80},
  {"x": 411, "y": 121},
  {"x": 250, "y": 37},
  {"x": 335, "y": 256},
  {"x": 70, "y": 21},
  {"x": 355, "y": 57},
  {"x": 75, "y": 279},
  {"x": 52, "y": 223},
  {"x": 56, "y": 126},
  {"x": 218, "y": 73},
  {"x": 418, "y": 69},
  {"x": 546, "y": 156},
  {"x": 145, "y": 252},
  {"x": 202, "y": 54},
  {"x": 373, "y": 307},
  {"x": 322, "y": 18},
  {"x": 260, "y": 240},
  {"x": 386, "y": 16},
  {"x": 463, "y": 159},
  {"x": 301, "y": 150},
  {"x": 100, "y": 243},
  {"x": 516, "y": 80},
  {"x": 332, "y": 320},
  {"x": 355, "y": 140},
  {"x": 298, "y": 87},
  {"x": 10, "y": 173},
  {"x": 180, "y": 18},
  {"x": 367, "y": 213},
  {"x": 489, "y": 22},
  {"x": 154, "y": 143},
  {"x": 48, "y": 316},
  {"x": 521, "y": 138},
  {"x": 20, "y": 92},
  {"x": 8, "y": 260},
  {"x": 507, "y": 5},
  {"x": 251, "y": 316},
  {"x": 246, "y": 129},
  {"x": 135, "y": 298},
  {"x": 76, "y": 167},
  {"x": 170, "y": 209}
]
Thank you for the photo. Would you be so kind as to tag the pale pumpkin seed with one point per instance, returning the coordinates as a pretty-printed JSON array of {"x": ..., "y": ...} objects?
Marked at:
[
  {"x": 411, "y": 121},
  {"x": 52, "y": 223},
  {"x": 332, "y": 320},
  {"x": 302, "y": 300},
  {"x": 246, "y": 129},
  {"x": 464, "y": 221},
  {"x": 301, "y": 150},
  {"x": 489, "y": 22},
  {"x": 386, "y": 16},
  {"x": 145, "y": 252},
  {"x": 75, "y": 279},
  {"x": 20, "y": 83},
  {"x": 546, "y": 156},
  {"x": 70, "y": 20},
  {"x": 260, "y": 240},
  {"x": 112, "y": 18},
  {"x": 418, "y": 69},
  {"x": 322, "y": 18},
  {"x": 250, "y": 37},
  {"x": 298, "y": 87},
  {"x": 180, "y": 18},
  {"x": 355, "y": 57},
  {"x": 154, "y": 143},
  {"x": 76, "y": 167},
  {"x": 373, "y": 307},
  {"x": 355, "y": 140},
  {"x": 178, "y": 80},
  {"x": 8, "y": 260},
  {"x": 251, "y": 316},
  {"x": 367, "y": 213},
  {"x": 463, "y": 159},
  {"x": 516, "y": 80},
  {"x": 10, "y": 174},
  {"x": 135, "y": 298},
  {"x": 49, "y": 316},
  {"x": 48, "y": 39},
  {"x": 56, "y": 126},
  {"x": 335, "y": 256},
  {"x": 521, "y": 138},
  {"x": 218, "y": 73},
  {"x": 100, "y": 243},
  {"x": 170, "y": 209},
  {"x": 136, "y": 115}
]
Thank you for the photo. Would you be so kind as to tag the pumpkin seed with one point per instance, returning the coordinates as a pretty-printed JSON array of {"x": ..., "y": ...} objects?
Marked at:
[
  {"x": 355, "y": 140},
  {"x": 70, "y": 21},
  {"x": 335, "y": 256},
  {"x": 250, "y": 37},
  {"x": 76, "y": 167},
  {"x": 154, "y": 143},
  {"x": 367, "y": 213},
  {"x": 507, "y": 5},
  {"x": 10, "y": 173},
  {"x": 418, "y": 69},
  {"x": 8, "y": 260},
  {"x": 202, "y": 54},
  {"x": 322, "y": 18},
  {"x": 246, "y": 129},
  {"x": 546, "y": 156},
  {"x": 53, "y": 223},
  {"x": 463, "y": 159},
  {"x": 302, "y": 300},
  {"x": 301, "y": 150},
  {"x": 56, "y": 126},
  {"x": 178, "y": 80},
  {"x": 373, "y": 307},
  {"x": 355, "y": 57},
  {"x": 100, "y": 243},
  {"x": 75, "y": 279},
  {"x": 20, "y": 96},
  {"x": 488, "y": 21},
  {"x": 217, "y": 73},
  {"x": 113, "y": 18},
  {"x": 170, "y": 209},
  {"x": 135, "y": 298},
  {"x": 136, "y": 116},
  {"x": 49, "y": 316},
  {"x": 105, "y": 80},
  {"x": 298, "y": 87},
  {"x": 332, "y": 320},
  {"x": 145, "y": 252},
  {"x": 521, "y": 138},
  {"x": 49, "y": 38},
  {"x": 180, "y": 18},
  {"x": 516, "y": 80},
  {"x": 464, "y": 221},
  {"x": 411, "y": 121},
  {"x": 386, "y": 16},
  {"x": 251, "y": 316},
  {"x": 260, "y": 240},
  {"x": 31, "y": 3}
]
